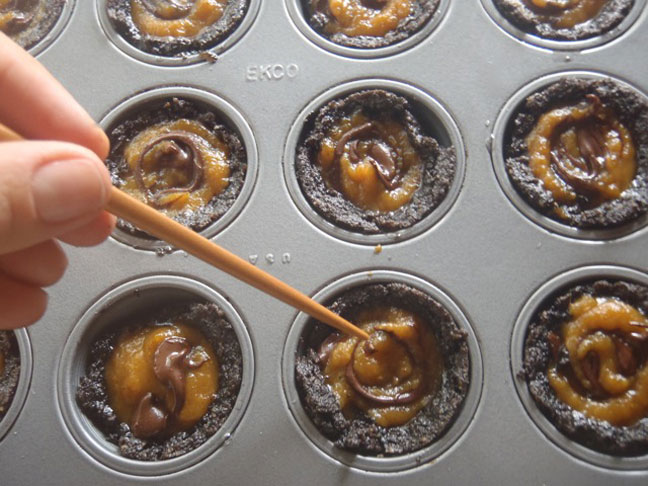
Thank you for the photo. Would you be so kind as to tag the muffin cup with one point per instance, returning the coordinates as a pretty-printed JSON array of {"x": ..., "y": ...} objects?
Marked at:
[
  {"x": 117, "y": 305},
  {"x": 497, "y": 149},
  {"x": 373, "y": 463},
  {"x": 563, "y": 45},
  {"x": 208, "y": 55},
  {"x": 230, "y": 116},
  {"x": 434, "y": 119},
  {"x": 298, "y": 16},
  {"x": 518, "y": 338},
  {"x": 57, "y": 27},
  {"x": 24, "y": 380}
]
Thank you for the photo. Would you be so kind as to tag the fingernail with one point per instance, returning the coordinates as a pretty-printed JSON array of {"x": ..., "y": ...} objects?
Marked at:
[{"x": 68, "y": 189}]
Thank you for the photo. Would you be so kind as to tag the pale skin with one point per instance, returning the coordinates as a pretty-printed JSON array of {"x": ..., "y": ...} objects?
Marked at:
[{"x": 53, "y": 187}]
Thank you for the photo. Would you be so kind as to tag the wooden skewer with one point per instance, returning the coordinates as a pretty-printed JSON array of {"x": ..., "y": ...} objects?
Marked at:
[{"x": 155, "y": 223}]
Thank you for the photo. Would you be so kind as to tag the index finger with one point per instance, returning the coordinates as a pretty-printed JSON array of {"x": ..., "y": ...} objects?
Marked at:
[{"x": 37, "y": 106}]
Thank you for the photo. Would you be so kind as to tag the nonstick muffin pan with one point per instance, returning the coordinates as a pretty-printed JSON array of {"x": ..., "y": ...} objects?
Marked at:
[{"x": 483, "y": 254}]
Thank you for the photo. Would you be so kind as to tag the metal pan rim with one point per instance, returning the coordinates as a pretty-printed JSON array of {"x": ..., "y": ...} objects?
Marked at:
[
  {"x": 507, "y": 186},
  {"x": 296, "y": 13},
  {"x": 423, "y": 457},
  {"x": 181, "y": 60},
  {"x": 431, "y": 104},
  {"x": 85, "y": 434},
  {"x": 518, "y": 336},
  {"x": 229, "y": 114},
  {"x": 562, "y": 45}
]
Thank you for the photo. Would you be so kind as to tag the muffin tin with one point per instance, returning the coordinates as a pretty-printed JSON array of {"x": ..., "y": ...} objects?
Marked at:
[{"x": 482, "y": 253}]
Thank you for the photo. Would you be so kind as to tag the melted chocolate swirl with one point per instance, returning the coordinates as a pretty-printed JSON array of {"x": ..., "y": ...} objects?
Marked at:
[
  {"x": 178, "y": 150},
  {"x": 380, "y": 154},
  {"x": 375, "y": 395},
  {"x": 582, "y": 171},
  {"x": 173, "y": 359},
  {"x": 382, "y": 398},
  {"x": 169, "y": 9}
]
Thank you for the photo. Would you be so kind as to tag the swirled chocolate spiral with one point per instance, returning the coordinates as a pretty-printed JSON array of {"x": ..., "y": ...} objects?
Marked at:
[
  {"x": 391, "y": 376},
  {"x": 604, "y": 373},
  {"x": 363, "y": 17},
  {"x": 582, "y": 151},
  {"x": 161, "y": 380},
  {"x": 566, "y": 13},
  {"x": 371, "y": 162},
  {"x": 177, "y": 165}
]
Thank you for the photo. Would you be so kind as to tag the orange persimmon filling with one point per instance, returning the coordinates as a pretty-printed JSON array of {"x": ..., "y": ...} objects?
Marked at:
[
  {"x": 607, "y": 377},
  {"x": 176, "y": 18},
  {"x": 366, "y": 17},
  {"x": 565, "y": 14},
  {"x": 391, "y": 376},
  {"x": 177, "y": 166},
  {"x": 372, "y": 163},
  {"x": 584, "y": 151},
  {"x": 161, "y": 379}
]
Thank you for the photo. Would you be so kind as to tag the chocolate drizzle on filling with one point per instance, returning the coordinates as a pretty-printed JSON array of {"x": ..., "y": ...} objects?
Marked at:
[
  {"x": 581, "y": 171},
  {"x": 178, "y": 150},
  {"x": 384, "y": 398},
  {"x": 586, "y": 365},
  {"x": 169, "y": 9},
  {"x": 601, "y": 368},
  {"x": 380, "y": 154},
  {"x": 388, "y": 377},
  {"x": 173, "y": 359},
  {"x": 577, "y": 152},
  {"x": 375, "y": 4}
]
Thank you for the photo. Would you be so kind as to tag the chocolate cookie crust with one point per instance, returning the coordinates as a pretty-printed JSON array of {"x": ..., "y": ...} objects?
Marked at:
[
  {"x": 439, "y": 165},
  {"x": 127, "y": 128},
  {"x": 632, "y": 111},
  {"x": 597, "y": 435},
  {"x": 317, "y": 15},
  {"x": 11, "y": 373},
  {"x": 41, "y": 20},
  {"x": 360, "y": 434},
  {"x": 93, "y": 400},
  {"x": 520, "y": 15},
  {"x": 119, "y": 13}
]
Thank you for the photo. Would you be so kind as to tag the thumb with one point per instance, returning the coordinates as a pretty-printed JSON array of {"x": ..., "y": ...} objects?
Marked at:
[{"x": 47, "y": 189}]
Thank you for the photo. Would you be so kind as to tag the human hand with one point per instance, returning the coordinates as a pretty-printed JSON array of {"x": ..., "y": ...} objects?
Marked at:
[{"x": 52, "y": 187}]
